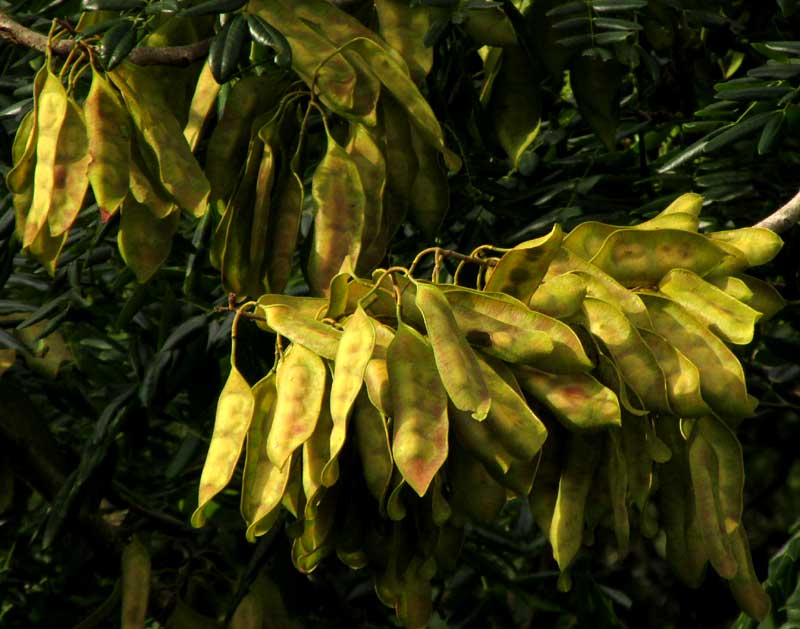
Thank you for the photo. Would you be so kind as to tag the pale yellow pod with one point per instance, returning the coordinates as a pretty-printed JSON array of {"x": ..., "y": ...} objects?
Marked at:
[
  {"x": 355, "y": 351},
  {"x": 316, "y": 456},
  {"x": 301, "y": 382},
  {"x": 234, "y": 413},
  {"x": 136, "y": 570}
]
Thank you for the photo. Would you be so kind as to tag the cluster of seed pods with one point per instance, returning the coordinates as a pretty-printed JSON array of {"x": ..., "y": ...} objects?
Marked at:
[{"x": 594, "y": 363}]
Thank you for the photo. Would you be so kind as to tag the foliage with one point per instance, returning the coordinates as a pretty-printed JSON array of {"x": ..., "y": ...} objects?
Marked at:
[{"x": 572, "y": 112}]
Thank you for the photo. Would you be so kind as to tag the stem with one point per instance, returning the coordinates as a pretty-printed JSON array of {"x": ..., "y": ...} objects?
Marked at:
[
  {"x": 783, "y": 218},
  {"x": 18, "y": 34}
]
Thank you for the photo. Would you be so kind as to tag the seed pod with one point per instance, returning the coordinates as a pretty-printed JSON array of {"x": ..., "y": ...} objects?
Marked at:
[
  {"x": 135, "y": 584},
  {"x": 234, "y": 414},
  {"x": 726, "y": 316},
  {"x": 339, "y": 218},
  {"x": 636, "y": 362},
  {"x": 146, "y": 188},
  {"x": 618, "y": 493},
  {"x": 637, "y": 459},
  {"x": 730, "y": 470},
  {"x": 419, "y": 400},
  {"x": 178, "y": 170},
  {"x": 400, "y": 26},
  {"x": 50, "y": 115},
  {"x": 205, "y": 96},
  {"x": 70, "y": 173},
  {"x": 307, "y": 307},
  {"x": 476, "y": 496},
  {"x": 560, "y": 297},
  {"x": 500, "y": 325},
  {"x": 756, "y": 293},
  {"x": 374, "y": 448},
  {"x": 144, "y": 240},
  {"x": 355, "y": 351},
  {"x": 746, "y": 586},
  {"x": 319, "y": 337},
  {"x": 316, "y": 456},
  {"x": 566, "y": 529},
  {"x": 109, "y": 129},
  {"x": 758, "y": 245},
  {"x": 430, "y": 193},
  {"x": 578, "y": 400},
  {"x": 722, "y": 380},
  {"x": 704, "y": 470},
  {"x": 521, "y": 270},
  {"x": 456, "y": 361},
  {"x": 301, "y": 383}
]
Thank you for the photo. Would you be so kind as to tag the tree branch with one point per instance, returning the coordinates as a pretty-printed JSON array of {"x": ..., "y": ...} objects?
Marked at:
[
  {"x": 145, "y": 55},
  {"x": 782, "y": 219}
]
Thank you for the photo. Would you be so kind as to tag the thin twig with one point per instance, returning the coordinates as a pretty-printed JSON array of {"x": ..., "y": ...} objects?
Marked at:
[
  {"x": 145, "y": 55},
  {"x": 782, "y": 219}
]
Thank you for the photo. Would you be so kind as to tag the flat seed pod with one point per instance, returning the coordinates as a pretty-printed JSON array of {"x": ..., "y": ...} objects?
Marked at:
[
  {"x": 688, "y": 203},
  {"x": 724, "y": 315},
  {"x": 400, "y": 26},
  {"x": 600, "y": 285},
  {"x": 301, "y": 382},
  {"x": 578, "y": 400},
  {"x": 521, "y": 270},
  {"x": 354, "y": 352},
  {"x": 135, "y": 579},
  {"x": 477, "y": 438},
  {"x": 263, "y": 484},
  {"x": 752, "y": 291},
  {"x": 178, "y": 170},
  {"x": 475, "y": 495},
  {"x": 234, "y": 414},
  {"x": 70, "y": 172},
  {"x": 560, "y": 297},
  {"x": 705, "y": 472},
  {"x": 456, "y": 361},
  {"x": 637, "y": 459},
  {"x": 144, "y": 240},
  {"x": 23, "y": 150},
  {"x": 545, "y": 487},
  {"x": 145, "y": 188},
  {"x": 722, "y": 380},
  {"x": 419, "y": 400},
  {"x": 307, "y": 307},
  {"x": 511, "y": 422},
  {"x": 634, "y": 358},
  {"x": 320, "y": 338},
  {"x": 758, "y": 245},
  {"x": 203, "y": 101},
  {"x": 730, "y": 469},
  {"x": 608, "y": 373},
  {"x": 683, "y": 377},
  {"x": 430, "y": 193},
  {"x": 746, "y": 586},
  {"x": 374, "y": 448},
  {"x": 51, "y": 112},
  {"x": 109, "y": 129},
  {"x": 339, "y": 217},
  {"x": 376, "y": 374},
  {"x": 566, "y": 528},
  {"x": 316, "y": 455},
  {"x": 618, "y": 493},
  {"x": 499, "y": 325},
  {"x": 685, "y": 549}
]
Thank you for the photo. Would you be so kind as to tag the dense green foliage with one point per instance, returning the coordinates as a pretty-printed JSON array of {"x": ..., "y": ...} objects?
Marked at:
[{"x": 108, "y": 405}]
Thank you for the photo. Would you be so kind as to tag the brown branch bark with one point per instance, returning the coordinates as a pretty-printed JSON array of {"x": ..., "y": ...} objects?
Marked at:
[
  {"x": 783, "y": 218},
  {"x": 16, "y": 33}
]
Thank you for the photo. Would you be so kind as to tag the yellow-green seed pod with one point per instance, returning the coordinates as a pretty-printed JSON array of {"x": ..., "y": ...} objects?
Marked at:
[
  {"x": 746, "y": 586},
  {"x": 144, "y": 240},
  {"x": 730, "y": 470},
  {"x": 203, "y": 100},
  {"x": 704, "y": 465},
  {"x": 618, "y": 493},
  {"x": 234, "y": 413},
  {"x": 135, "y": 579},
  {"x": 430, "y": 193},
  {"x": 521, "y": 270},
  {"x": 566, "y": 528},
  {"x": 752, "y": 291},
  {"x": 145, "y": 188},
  {"x": 419, "y": 401},
  {"x": 23, "y": 150},
  {"x": 355, "y": 351},
  {"x": 109, "y": 129},
  {"x": 758, "y": 245},
  {"x": 636, "y": 362},
  {"x": 316, "y": 457},
  {"x": 376, "y": 374},
  {"x": 51, "y": 113},
  {"x": 178, "y": 170},
  {"x": 307, "y": 307},
  {"x": 456, "y": 361},
  {"x": 476, "y": 496},
  {"x": 70, "y": 173},
  {"x": 339, "y": 217},
  {"x": 637, "y": 459},
  {"x": 400, "y": 26},
  {"x": 722, "y": 381},
  {"x": 374, "y": 448},
  {"x": 578, "y": 400},
  {"x": 560, "y": 297},
  {"x": 301, "y": 382},
  {"x": 726, "y": 316},
  {"x": 320, "y": 338}
]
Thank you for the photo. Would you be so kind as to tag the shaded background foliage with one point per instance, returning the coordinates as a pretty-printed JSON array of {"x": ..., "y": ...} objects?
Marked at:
[{"x": 673, "y": 96}]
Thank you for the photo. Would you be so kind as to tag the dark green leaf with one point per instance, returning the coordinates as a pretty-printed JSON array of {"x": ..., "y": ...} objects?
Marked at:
[
  {"x": 212, "y": 7},
  {"x": 262, "y": 32},
  {"x": 112, "y": 5},
  {"x": 615, "y": 24},
  {"x": 223, "y": 57},
  {"x": 117, "y": 44},
  {"x": 185, "y": 332},
  {"x": 596, "y": 84},
  {"x": 770, "y": 132},
  {"x": 776, "y": 71},
  {"x": 738, "y": 131},
  {"x": 602, "y": 6},
  {"x": 753, "y": 93},
  {"x": 44, "y": 311}
]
